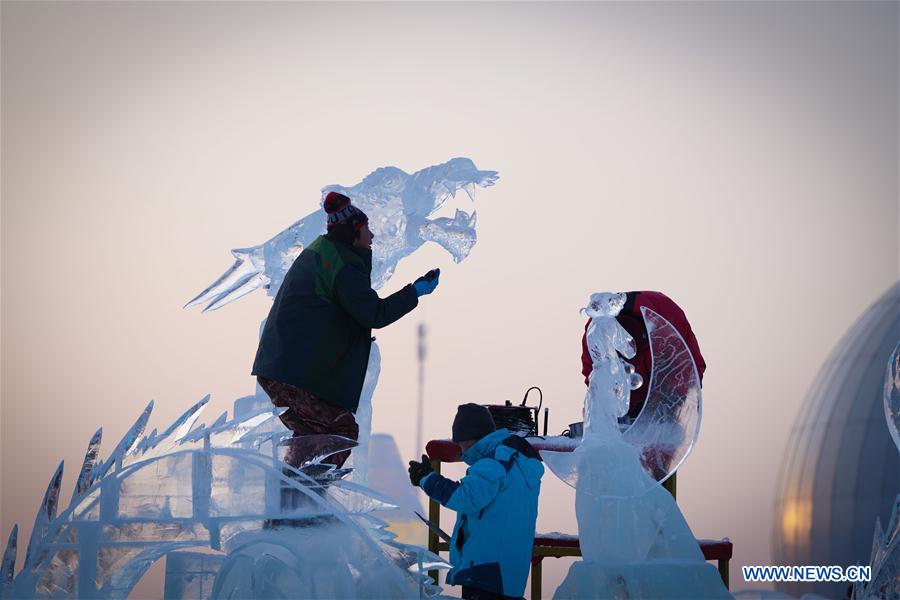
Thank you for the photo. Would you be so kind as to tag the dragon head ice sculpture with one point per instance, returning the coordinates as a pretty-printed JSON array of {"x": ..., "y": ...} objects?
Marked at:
[{"x": 399, "y": 206}]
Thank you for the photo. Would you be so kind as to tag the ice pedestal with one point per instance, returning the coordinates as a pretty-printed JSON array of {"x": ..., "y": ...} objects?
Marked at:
[
  {"x": 328, "y": 561},
  {"x": 649, "y": 579},
  {"x": 634, "y": 539},
  {"x": 623, "y": 515}
]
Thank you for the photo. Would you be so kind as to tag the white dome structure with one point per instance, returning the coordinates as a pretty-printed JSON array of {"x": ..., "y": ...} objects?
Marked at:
[{"x": 841, "y": 468}]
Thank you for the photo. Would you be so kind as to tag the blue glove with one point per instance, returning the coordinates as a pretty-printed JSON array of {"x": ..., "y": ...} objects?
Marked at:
[{"x": 426, "y": 283}]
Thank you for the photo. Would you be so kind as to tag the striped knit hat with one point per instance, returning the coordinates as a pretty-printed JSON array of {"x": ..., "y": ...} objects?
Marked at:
[{"x": 341, "y": 212}]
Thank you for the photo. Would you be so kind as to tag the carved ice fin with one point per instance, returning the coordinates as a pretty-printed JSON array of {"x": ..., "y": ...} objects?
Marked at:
[{"x": 90, "y": 460}]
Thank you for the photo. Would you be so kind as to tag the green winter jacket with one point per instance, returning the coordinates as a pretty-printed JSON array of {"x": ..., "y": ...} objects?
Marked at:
[{"x": 319, "y": 331}]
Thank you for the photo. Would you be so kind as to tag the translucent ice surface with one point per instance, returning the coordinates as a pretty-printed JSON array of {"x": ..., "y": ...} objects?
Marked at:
[
  {"x": 272, "y": 530},
  {"x": 634, "y": 540},
  {"x": 885, "y": 557},
  {"x": 892, "y": 395},
  {"x": 197, "y": 486},
  {"x": 364, "y": 416},
  {"x": 666, "y": 429},
  {"x": 398, "y": 205}
]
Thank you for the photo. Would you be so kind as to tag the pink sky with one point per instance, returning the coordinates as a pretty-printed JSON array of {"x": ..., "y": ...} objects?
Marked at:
[{"x": 742, "y": 158}]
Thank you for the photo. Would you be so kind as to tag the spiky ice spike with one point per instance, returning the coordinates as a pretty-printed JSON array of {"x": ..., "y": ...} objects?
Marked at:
[
  {"x": 126, "y": 445},
  {"x": 221, "y": 420},
  {"x": 156, "y": 445},
  {"x": 145, "y": 443},
  {"x": 8, "y": 566},
  {"x": 46, "y": 513},
  {"x": 182, "y": 425},
  {"x": 90, "y": 460},
  {"x": 884, "y": 561},
  {"x": 201, "y": 430}
]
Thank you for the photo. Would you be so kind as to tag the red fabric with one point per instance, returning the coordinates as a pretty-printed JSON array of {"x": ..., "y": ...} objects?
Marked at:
[
  {"x": 443, "y": 450},
  {"x": 631, "y": 319}
]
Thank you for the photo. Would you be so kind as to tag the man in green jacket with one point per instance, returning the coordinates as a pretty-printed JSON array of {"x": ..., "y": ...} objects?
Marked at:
[{"x": 314, "y": 348}]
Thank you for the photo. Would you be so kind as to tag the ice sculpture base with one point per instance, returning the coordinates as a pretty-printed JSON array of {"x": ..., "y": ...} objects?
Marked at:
[
  {"x": 325, "y": 561},
  {"x": 653, "y": 579}
]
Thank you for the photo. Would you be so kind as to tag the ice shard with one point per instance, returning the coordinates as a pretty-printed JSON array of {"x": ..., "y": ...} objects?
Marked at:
[
  {"x": 360, "y": 456},
  {"x": 892, "y": 395},
  {"x": 314, "y": 449},
  {"x": 885, "y": 559},
  {"x": 127, "y": 443},
  {"x": 7, "y": 567},
  {"x": 144, "y": 443},
  {"x": 168, "y": 440},
  {"x": 83, "y": 482},
  {"x": 199, "y": 431},
  {"x": 45, "y": 515}
]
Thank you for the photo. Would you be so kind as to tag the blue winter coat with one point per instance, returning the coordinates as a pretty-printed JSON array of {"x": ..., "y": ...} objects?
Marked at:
[{"x": 497, "y": 503}]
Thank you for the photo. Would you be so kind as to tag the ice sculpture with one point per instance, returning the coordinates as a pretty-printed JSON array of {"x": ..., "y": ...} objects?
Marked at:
[
  {"x": 398, "y": 206},
  {"x": 223, "y": 487},
  {"x": 270, "y": 529},
  {"x": 634, "y": 540},
  {"x": 666, "y": 429},
  {"x": 892, "y": 395},
  {"x": 668, "y": 425},
  {"x": 885, "y": 558}
]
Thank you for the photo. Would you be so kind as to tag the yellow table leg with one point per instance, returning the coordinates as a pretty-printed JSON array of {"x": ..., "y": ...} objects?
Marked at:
[
  {"x": 434, "y": 515},
  {"x": 723, "y": 571},
  {"x": 536, "y": 571},
  {"x": 670, "y": 484}
]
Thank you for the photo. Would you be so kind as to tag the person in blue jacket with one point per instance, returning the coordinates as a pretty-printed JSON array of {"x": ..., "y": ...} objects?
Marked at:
[{"x": 496, "y": 504}]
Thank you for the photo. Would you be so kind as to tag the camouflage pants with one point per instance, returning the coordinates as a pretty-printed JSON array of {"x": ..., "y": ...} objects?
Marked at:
[{"x": 307, "y": 414}]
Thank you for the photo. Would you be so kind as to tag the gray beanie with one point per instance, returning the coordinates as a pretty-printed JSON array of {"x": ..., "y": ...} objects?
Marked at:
[{"x": 472, "y": 422}]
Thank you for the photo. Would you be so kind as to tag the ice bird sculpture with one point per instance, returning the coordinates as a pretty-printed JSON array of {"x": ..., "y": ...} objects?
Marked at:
[{"x": 398, "y": 205}]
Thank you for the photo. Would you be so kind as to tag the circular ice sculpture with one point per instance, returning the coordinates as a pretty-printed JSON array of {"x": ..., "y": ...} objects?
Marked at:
[
  {"x": 892, "y": 395},
  {"x": 668, "y": 425},
  {"x": 635, "y": 543}
]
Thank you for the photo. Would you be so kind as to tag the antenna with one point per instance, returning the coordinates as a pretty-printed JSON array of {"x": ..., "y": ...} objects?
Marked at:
[{"x": 421, "y": 396}]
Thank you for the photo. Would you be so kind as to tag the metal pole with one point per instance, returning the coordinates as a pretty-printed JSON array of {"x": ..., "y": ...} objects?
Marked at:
[{"x": 421, "y": 394}]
